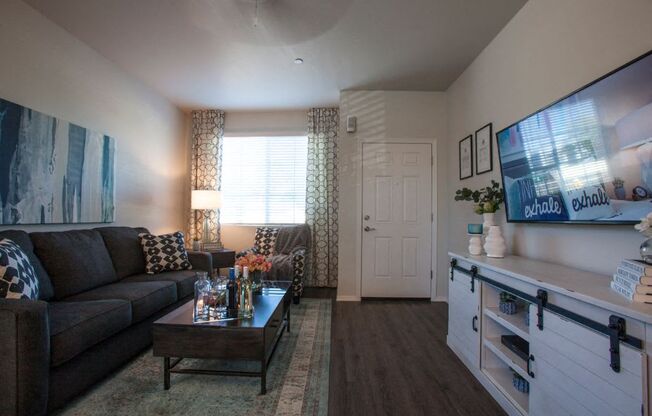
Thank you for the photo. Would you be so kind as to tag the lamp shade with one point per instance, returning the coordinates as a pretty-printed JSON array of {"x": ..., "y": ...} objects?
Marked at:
[
  {"x": 635, "y": 128},
  {"x": 206, "y": 199}
]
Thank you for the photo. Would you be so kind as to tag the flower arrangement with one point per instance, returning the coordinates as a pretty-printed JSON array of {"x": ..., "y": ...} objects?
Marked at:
[
  {"x": 254, "y": 262},
  {"x": 645, "y": 226},
  {"x": 487, "y": 200}
]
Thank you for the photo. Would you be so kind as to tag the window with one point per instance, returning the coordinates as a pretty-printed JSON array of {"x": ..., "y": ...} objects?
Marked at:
[
  {"x": 567, "y": 137},
  {"x": 264, "y": 180}
]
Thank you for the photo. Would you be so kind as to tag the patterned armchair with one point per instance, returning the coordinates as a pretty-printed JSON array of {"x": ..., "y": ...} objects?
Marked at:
[{"x": 288, "y": 248}]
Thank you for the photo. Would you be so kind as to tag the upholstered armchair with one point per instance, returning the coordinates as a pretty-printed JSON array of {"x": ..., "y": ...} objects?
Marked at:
[{"x": 288, "y": 248}]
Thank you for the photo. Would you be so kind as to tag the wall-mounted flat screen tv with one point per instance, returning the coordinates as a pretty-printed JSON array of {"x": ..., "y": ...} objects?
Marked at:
[{"x": 586, "y": 158}]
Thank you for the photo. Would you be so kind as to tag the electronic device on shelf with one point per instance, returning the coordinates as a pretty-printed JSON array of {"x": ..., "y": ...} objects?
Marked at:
[{"x": 517, "y": 345}]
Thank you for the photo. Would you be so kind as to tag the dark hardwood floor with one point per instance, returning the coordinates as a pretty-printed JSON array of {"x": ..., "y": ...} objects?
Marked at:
[{"x": 390, "y": 357}]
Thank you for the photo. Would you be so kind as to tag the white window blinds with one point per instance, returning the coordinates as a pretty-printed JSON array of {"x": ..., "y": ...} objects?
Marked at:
[{"x": 264, "y": 180}]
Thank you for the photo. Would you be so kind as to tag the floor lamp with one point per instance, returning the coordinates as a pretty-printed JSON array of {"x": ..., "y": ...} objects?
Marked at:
[{"x": 206, "y": 201}]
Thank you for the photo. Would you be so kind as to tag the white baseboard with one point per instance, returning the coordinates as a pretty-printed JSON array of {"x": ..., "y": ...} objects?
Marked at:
[
  {"x": 440, "y": 299},
  {"x": 348, "y": 298}
]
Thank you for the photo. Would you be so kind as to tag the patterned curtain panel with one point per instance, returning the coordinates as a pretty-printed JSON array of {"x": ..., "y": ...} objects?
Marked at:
[
  {"x": 206, "y": 168},
  {"x": 322, "y": 195}
]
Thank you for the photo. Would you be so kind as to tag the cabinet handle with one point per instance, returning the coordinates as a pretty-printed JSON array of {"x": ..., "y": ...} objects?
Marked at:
[
  {"x": 529, "y": 371},
  {"x": 474, "y": 322}
]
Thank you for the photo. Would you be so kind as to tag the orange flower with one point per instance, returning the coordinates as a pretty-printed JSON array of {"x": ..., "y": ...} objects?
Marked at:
[{"x": 254, "y": 262}]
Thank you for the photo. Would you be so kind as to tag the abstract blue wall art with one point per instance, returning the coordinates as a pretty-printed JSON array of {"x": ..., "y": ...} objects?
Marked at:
[{"x": 53, "y": 171}]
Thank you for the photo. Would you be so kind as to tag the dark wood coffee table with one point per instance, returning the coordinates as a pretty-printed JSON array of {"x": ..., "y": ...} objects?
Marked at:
[{"x": 176, "y": 336}]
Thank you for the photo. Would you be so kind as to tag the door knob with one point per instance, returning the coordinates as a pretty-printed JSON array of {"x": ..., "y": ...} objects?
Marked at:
[
  {"x": 366, "y": 217},
  {"x": 368, "y": 228}
]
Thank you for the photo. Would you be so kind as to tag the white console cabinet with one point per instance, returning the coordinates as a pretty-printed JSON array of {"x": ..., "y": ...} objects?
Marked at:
[{"x": 563, "y": 328}]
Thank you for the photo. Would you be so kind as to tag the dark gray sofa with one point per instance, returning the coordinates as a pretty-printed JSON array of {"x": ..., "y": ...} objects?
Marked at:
[{"x": 94, "y": 313}]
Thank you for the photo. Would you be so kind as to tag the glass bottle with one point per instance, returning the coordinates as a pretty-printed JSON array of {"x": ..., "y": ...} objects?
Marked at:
[
  {"x": 246, "y": 297},
  {"x": 202, "y": 292},
  {"x": 238, "y": 282},
  {"x": 232, "y": 293}
]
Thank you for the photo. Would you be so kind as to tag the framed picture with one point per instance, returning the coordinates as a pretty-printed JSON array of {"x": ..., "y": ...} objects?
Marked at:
[
  {"x": 466, "y": 157},
  {"x": 53, "y": 171},
  {"x": 483, "y": 150}
]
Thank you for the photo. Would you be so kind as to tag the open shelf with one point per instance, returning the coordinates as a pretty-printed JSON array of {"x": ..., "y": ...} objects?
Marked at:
[
  {"x": 507, "y": 356},
  {"x": 502, "y": 378},
  {"x": 515, "y": 323}
]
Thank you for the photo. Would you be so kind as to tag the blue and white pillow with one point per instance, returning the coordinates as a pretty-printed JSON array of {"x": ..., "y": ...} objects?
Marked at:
[{"x": 17, "y": 276}]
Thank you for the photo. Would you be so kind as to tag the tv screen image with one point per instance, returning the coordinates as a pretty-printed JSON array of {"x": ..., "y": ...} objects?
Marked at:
[{"x": 587, "y": 158}]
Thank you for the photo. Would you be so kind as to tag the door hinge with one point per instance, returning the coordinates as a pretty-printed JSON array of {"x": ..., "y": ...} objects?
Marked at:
[
  {"x": 432, "y": 160},
  {"x": 430, "y": 274},
  {"x": 432, "y": 217},
  {"x": 617, "y": 331}
]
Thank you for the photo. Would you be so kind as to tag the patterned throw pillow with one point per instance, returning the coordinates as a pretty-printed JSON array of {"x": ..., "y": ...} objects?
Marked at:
[
  {"x": 165, "y": 252},
  {"x": 17, "y": 277},
  {"x": 265, "y": 240}
]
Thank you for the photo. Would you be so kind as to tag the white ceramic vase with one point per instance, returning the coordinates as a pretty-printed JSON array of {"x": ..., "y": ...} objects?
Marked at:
[
  {"x": 475, "y": 244},
  {"x": 494, "y": 244},
  {"x": 488, "y": 218}
]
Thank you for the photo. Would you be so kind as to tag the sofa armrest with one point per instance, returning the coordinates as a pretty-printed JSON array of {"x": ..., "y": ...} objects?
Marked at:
[
  {"x": 201, "y": 261},
  {"x": 25, "y": 364}
]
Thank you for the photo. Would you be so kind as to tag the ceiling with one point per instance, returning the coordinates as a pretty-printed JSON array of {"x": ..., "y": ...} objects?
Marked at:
[{"x": 212, "y": 54}]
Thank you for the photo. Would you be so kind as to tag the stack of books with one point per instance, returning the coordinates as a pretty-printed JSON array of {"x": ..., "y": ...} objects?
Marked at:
[{"x": 633, "y": 280}]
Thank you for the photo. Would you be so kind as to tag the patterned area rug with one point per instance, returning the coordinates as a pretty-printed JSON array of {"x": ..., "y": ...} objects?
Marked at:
[{"x": 297, "y": 380}]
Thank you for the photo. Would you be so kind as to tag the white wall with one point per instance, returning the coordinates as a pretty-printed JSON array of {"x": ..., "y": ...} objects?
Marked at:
[
  {"x": 386, "y": 116},
  {"x": 258, "y": 123},
  {"x": 47, "y": 69},
  {"x": 550, "y": 48}
]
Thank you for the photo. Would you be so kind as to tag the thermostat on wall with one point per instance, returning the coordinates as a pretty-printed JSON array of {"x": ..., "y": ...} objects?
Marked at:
[{"x": 351, "y": 124}]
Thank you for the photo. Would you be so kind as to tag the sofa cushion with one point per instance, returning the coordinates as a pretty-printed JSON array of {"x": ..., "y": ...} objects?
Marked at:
[
  {"x": 22, "y": 239},
  {"x": 125, "y": 249},
  {"x": 265, "y": 240},
  {"x": 17, "y": 276},
  {"x": 76, "y": 260},
  {"x": 77, "y": 326},
  {"x": 184, "y": 279},
  {"x": 165, "y": 252},
  {"x": 146, "y": 298}
]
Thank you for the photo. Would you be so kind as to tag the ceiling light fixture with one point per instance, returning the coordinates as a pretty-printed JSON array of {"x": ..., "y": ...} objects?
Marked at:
[{"x": 298, "y": 61}]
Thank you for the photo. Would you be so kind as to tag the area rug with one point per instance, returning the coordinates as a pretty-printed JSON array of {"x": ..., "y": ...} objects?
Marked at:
[{"x": 297, "y": 380}]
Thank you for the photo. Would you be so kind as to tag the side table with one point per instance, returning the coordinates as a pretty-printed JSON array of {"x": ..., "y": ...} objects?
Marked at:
[{"x": 222, "y": 258}]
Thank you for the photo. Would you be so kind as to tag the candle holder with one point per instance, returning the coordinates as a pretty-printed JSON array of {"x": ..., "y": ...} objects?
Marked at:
[{"x": 475, "y": 240}]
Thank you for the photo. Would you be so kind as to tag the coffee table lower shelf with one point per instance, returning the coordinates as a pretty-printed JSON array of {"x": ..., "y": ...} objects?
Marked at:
[{"x": 169, "y": 365}]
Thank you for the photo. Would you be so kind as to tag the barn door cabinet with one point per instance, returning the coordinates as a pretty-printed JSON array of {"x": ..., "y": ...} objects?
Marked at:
[{"x": 571, "y": 346}]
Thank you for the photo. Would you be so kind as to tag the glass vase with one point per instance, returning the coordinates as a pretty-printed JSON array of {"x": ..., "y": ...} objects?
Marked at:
[
  {"x": 646, "y": 251},
  {"x": 257, "y": 281},
  {"x": 202, "y": 295}
]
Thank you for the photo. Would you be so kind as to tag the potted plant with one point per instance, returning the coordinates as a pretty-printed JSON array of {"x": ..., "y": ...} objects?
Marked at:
[
  {"x": 619, "y": 188},
  {"x": 487, "y": 201},
  {"x": 507, "y": 303},
  {"x": 519, "y": 382}
]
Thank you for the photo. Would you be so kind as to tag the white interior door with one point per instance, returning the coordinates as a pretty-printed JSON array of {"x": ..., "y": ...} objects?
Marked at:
[{"x": 396, "y": 219}]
